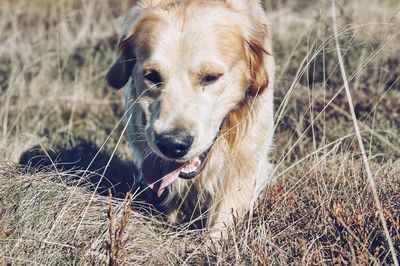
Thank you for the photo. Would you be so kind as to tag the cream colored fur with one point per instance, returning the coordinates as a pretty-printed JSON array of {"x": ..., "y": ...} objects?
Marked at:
[{"x": 182, "y": 39}]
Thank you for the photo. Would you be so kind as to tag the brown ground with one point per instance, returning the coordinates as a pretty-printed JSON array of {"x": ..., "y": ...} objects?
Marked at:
[{"x": 53, "y": 57}]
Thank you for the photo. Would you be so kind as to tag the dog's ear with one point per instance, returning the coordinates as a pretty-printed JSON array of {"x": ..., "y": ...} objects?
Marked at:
[
  {"x": 121, "y": 70},
  {"x": 119, "y": 73},
  {"x": 139, "y": 20},
  {"x": 256, "y": 54},
  {"x": 259, "y": 50}
]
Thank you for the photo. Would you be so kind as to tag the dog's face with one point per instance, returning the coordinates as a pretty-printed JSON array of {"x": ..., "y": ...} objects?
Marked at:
[{"x": 191, "y": 65}]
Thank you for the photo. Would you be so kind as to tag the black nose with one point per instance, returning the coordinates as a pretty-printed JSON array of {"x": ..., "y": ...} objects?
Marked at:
[{"x": 174, "y": 144}]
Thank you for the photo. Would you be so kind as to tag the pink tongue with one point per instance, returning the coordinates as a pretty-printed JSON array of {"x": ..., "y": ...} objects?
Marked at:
[{"x": 159, "y": 173}]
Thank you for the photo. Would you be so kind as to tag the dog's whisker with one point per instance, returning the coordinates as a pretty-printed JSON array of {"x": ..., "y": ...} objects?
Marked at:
[{"x": 137, "y": 141}]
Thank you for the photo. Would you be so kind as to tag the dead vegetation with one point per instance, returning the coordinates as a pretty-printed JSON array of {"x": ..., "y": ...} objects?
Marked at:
[
  {"x": 312, "y": 215},
  {"x": 53, "y": 57}
]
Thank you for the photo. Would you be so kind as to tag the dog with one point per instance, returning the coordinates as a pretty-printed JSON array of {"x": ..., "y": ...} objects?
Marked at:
[{"x": 198, "y": 78}]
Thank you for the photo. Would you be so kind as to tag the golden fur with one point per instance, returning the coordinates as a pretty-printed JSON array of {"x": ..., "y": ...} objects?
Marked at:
[{"x": 183, "y": 41}]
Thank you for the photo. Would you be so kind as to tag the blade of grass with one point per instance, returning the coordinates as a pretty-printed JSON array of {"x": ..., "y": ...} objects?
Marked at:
[{"x": 371, "y": 178}]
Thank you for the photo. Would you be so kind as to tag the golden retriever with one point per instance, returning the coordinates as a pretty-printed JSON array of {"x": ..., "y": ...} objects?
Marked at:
[{"x": 199, "y": 93}]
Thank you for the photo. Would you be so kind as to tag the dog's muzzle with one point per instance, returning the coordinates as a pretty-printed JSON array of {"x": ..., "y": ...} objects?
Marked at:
[{"x": 159, "y": 173}]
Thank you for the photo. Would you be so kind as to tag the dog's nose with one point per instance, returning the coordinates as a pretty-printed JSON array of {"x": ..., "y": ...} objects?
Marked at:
[{"x": 174, "y": 145}]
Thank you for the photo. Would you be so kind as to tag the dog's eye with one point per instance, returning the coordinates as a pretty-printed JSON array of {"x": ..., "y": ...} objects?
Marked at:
[
  {"x": 210, "y": 78},
  {"x": 153, "y": 76}
]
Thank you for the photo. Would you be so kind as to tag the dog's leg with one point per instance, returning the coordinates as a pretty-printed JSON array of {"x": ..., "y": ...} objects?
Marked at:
[
  {"x": 238, "y": 196},
  {"x": 233, "y": 201}
]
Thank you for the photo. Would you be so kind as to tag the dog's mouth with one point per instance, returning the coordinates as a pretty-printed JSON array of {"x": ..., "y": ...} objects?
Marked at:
[{"x": 160, "y": 173}]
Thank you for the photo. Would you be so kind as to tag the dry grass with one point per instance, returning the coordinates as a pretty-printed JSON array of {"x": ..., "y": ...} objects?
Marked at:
[
  {"x": 322, "y": 214},
  {"x": 53, "y": 57}
]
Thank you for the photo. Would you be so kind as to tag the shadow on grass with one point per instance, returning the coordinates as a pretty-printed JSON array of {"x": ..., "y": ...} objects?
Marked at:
[
  {"x": 99, "y": 172},
  {"x": 81, "y": 160}
]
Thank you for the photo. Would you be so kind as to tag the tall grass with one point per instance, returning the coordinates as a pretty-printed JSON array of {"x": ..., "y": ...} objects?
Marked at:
[{"x": 53, "y": 57}]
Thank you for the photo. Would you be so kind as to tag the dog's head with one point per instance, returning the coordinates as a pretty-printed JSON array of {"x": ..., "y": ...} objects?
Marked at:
[{"x": 195, "y": 65}]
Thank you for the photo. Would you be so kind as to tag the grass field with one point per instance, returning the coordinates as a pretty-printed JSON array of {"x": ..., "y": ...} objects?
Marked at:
[{"x": 322, "y": 209}]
